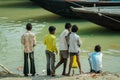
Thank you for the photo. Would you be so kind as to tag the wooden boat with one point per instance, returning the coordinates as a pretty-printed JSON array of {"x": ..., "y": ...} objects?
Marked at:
[
  {"x": 62, "y": 7},
  {"x": 108, "y": 17}
]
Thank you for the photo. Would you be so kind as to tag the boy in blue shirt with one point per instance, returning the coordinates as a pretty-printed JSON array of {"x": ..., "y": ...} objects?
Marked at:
[{"x": 95, "y": 60}]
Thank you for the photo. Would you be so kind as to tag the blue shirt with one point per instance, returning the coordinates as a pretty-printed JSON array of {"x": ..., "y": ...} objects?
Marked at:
[{"x": 96, "y": 60}]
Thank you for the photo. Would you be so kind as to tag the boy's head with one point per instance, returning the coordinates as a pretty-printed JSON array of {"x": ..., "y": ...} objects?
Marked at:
[
  {"x": 52, "y": 30},
  {"x": 74, "y": 28},
  {"x": 29, "y": 26},
  {"x": 97, "y": 48},
  {"x": 68, "y": 26}
]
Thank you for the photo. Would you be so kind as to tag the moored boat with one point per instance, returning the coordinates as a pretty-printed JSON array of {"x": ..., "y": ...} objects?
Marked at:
[
  {"x": 62, "y": 7},
  {"x": 108, "y": 17}
]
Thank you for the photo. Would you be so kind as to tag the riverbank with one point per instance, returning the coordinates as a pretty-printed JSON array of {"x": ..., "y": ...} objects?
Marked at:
[{"x": 103, "y": 76}]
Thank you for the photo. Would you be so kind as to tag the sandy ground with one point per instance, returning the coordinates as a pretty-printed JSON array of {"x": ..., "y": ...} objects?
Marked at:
[
  {"x": 13, "y": 78},
  {"x": 92, "y": 77},
  {"x": 103, "y": 76}
]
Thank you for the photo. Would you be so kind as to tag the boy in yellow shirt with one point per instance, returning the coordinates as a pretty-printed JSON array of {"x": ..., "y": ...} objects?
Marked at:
[{"x": 51, "y": 49}]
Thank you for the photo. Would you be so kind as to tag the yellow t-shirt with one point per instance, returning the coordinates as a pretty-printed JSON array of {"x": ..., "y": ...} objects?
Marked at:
[{"x": 50, "y": 42}]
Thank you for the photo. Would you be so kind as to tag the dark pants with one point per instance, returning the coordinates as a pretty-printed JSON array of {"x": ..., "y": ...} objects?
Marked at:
[
  {"x": 32, "y": 65},
  {"x": 96, "y": 71}
]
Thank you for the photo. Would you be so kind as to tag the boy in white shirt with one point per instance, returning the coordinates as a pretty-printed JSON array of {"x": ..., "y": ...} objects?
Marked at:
[
  {"x": 74, "y": 47},
  {"x": 64, "y": 48}
]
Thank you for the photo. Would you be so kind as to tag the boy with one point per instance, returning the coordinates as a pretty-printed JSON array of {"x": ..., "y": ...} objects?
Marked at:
[
  {"x": 64, "y": 48},
  {"x": 95, "y": 60},
  {"x": 50, "y": 42},
  {"x": 74, "y": 47},
  {"x": 29, "y": 41}
]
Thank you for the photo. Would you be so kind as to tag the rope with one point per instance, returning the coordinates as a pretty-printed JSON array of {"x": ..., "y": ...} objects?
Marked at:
[
  {"x": 100, "y": 14},
  {"x": 75, "y": 3}
]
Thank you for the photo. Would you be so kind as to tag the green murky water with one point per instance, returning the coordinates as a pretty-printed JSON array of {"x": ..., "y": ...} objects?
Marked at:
[{"x": 13, "y": 17}]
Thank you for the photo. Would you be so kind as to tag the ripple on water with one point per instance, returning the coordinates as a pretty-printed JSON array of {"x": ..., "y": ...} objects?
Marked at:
[
  {"x": 85, "y": 51},
  {"x": 3, "y": 17},
  {"x": 115, "y": 51},
  {"x": 12, "y": 21},
  {"x": 34, "y": 24},
  {"x": 19, "y": 21},
  {"x": 112, "y": 52},
  {"x": 39, "y": 25},
  {"x": 30, "y": 20},
  {"x": 17, "y": 25}
]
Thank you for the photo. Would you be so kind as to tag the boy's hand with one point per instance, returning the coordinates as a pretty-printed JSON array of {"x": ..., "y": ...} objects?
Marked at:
[
  {"x": 56, "y": 52},
  {"x": 34, "y": 45}
]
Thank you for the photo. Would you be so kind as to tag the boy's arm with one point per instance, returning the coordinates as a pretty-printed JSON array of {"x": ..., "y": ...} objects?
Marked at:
[
  {"x": 34, "y": 41},
  {"x": 44, "y": 41},
  {"x": 54, "y": 46},
  {"x": 90, "y": 55},
  {"x": 23, "y": 40},
  {"x": 79, "y": 42},
  {"x": 67, "y": 37}
]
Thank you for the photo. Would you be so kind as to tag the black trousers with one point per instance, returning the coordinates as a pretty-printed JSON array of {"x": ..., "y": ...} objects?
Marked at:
[{"x": 32, "y": 64}]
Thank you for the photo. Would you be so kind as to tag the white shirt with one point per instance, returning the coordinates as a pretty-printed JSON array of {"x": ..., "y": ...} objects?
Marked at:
[
  {"x": 96, "y": 61},
  {"x": 74, "y": 43},
  {"x": 63, "y": 42}
]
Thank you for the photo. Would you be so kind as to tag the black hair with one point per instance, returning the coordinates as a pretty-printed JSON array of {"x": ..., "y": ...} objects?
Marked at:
[
  {"x": 67, "y": 25},
  {"x": 74, "y": 28},
  {"x": 51, "y": 29},
  {"x": 29, "y": 26},
  {"x": 97, "y": 48}
]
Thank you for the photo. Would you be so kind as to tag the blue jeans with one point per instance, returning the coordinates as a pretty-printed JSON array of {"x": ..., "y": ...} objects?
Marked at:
[{"x": 50, "y": 57}]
